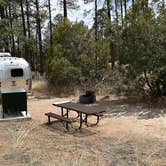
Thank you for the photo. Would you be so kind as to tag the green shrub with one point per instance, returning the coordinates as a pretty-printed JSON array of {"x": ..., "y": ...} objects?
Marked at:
[
  {"x": 63, "y": 73},
  {"x": 74, "y": 57}
]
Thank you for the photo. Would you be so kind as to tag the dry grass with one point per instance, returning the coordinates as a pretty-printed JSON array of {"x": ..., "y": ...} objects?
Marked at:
[
  {"x": 121, "y": 139},
  {"x": 40, "y": 86}
]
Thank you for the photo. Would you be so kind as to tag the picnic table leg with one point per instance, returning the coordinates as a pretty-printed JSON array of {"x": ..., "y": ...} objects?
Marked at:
[
  {"x": 97, "y": 119},
  {"x": 86, "y": 119},
  {"x": 49, "y": 121},
  {"x": 67, "y": 114},
  {"x": 81, "y": 120},
  {"x": 62, "y": 111}
]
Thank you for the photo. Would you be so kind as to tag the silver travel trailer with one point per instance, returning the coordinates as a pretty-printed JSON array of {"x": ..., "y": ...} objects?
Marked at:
[{"x": 15, "y": 73}]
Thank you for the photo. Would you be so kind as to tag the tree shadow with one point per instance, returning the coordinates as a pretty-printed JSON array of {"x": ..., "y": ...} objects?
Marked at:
[{"x": 131, "y": 107}]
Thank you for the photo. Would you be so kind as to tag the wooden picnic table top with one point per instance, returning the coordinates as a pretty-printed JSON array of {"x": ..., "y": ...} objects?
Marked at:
[{"x": 80, "y": 108}]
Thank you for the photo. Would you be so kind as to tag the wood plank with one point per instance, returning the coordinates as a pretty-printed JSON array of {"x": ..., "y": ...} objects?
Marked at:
[
  {"x": 89, "y": 110},
  {"x": 56, "y": 116}
]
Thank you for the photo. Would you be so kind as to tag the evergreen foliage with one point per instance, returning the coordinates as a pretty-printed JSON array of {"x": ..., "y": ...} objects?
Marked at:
[
  {"x": 143, "y": 48},
  {"x": 131, "y": 39},
  {"x": 75, "y": 50}
]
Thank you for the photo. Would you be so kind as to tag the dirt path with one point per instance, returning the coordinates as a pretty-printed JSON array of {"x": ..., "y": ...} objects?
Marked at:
[{"x": 129, "y": 134}]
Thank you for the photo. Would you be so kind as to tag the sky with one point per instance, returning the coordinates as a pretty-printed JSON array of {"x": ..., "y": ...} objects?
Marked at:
[{"x": 76, "y": 15}]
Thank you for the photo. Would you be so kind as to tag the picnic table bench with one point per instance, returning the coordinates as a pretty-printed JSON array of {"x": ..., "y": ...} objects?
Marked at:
[
  {"x": 80, "y": 109},
  {"x": 61, "y": 118}
]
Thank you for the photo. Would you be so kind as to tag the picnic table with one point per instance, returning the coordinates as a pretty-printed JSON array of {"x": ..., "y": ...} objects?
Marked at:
[{"x": 83, "y": 112}]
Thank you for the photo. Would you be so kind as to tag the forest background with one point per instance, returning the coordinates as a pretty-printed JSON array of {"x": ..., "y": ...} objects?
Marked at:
[{"x": 124, "y": 50}]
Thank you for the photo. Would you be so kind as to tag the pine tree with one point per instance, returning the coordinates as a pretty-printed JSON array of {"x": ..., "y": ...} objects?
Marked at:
[{"x": 39, "y": 36}]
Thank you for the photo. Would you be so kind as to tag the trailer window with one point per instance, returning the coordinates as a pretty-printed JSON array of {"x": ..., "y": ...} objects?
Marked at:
[{"x": 16, "y": 72}]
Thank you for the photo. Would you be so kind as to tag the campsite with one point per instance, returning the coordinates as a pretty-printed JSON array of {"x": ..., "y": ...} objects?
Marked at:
[
  {"x": 130, "y": 133},
  {"x": 82, "y": 83}
]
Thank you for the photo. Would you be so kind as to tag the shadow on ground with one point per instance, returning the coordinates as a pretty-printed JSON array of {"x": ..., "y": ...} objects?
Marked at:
[
  {"x": 131, "y": 107},
  {"x": 59, "y": 127}
]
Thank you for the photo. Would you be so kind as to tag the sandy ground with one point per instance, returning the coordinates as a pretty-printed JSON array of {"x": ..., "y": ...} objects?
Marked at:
[{"x": 128, "y": 134}]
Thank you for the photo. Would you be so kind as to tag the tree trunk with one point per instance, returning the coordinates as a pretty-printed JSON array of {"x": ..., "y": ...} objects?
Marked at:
[
  {"x": 50, "y": 22},
  {"x": 108, "y": 9},
  {"x": 147, "y": 81},
  {"x": 38, "y": 22},
  {"x": 23, "y": 19},
  {"x": 144, "y": 4},
  {"x": 28, "y": 19},
  {"x": 109, "y": 16},
  {"x": 7, "y": 39},
  {"x": 96, "y": 35},
  {"x": 65, "y": 8},
  {"x": 26, "y": 51},
  {"x": 30, "y": 51},
  {"x": 18, "y": 47},
  {"x": 95, "y": 24},
  {"x": 125, "y": 6},
  {"x": 121, "y": 10},
  {"x": 12, "y": 35},
  {"x": 116, "y": 11},
  {"x": 132, "y": 2},
  {"x": 2, "y": 12},
  {"x": 113, "y": 54}
]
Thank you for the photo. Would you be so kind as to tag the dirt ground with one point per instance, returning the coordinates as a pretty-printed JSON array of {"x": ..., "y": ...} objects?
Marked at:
[{"x": 129, "y": 134}]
